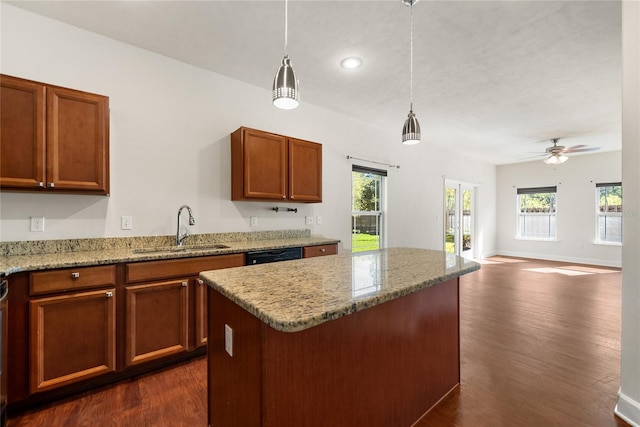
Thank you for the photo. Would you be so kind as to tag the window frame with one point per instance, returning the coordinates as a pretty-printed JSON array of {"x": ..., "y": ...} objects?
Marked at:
[
  {"x": 552, "y": 214},
  {"x": 380, "y": 213},
  {"x": 606, "y": 214}
]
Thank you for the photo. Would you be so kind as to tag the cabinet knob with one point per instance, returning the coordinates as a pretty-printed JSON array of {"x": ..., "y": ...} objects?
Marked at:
[
  {"x": 51, "y": 184},
  {"x": 323, "y": 250},
  {"x": 75, "y": 275},
  {"x": 39, "y": 184},
  {"x": 184, "y": 284},
  {"x": 109, "y": 294},
  {"x": 200, "y": 282}
]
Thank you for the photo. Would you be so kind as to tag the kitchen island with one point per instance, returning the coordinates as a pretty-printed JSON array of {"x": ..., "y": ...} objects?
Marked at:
[{"x": 347, "y": 340}]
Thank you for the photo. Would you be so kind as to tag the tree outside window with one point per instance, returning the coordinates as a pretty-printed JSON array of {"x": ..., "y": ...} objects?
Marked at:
[
  {"x": 609, "y": 212},
  {"x": 537, "y": 210},
  {"x": 366, "y": 216}
]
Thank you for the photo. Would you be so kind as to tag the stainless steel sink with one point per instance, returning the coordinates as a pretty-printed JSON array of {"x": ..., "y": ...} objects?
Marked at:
[{"x": 187, "y": 248}]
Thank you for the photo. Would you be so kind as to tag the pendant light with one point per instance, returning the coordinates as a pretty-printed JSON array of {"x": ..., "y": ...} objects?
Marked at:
[
  {"x": 285, "y": 84},
  {"x": 411, "y": 128}
]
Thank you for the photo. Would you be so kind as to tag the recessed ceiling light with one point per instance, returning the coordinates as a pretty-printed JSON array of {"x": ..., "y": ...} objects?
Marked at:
[{"x": 351, "y": 62}]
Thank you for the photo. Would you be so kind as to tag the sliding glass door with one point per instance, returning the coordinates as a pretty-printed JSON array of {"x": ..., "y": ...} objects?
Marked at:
[{"x": 458, "y": 218}]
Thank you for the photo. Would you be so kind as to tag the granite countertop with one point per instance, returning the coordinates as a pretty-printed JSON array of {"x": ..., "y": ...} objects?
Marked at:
[
  {"x": 296, "y": 295},
  {"x": 42, "y": 255}
]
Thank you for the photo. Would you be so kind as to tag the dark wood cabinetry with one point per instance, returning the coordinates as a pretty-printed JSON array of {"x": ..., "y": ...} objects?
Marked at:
[
  {"x": 72, "y": 338},
  {"x": 267, "y": 166},
  {"x": 164, "y": 307},
  {"x": 157, "y": 320},
  {"x": 320, "y": 250},
  {"x": 72, "y": 335},
  {"x": 53, "y": 138}
]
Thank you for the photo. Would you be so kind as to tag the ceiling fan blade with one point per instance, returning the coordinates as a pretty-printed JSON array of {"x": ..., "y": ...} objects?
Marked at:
[{"x": 580, "y": 150}]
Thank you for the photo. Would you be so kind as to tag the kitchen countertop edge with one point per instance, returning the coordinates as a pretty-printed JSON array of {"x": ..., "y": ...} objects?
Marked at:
[{"x": 21, "y": 263}]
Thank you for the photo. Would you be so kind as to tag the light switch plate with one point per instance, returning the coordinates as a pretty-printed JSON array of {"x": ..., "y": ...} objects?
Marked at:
[
  {"x": 253, "y": 221},
  {"x": 308, "y": 220},
  {"x": 228, "y": 339},
  {"x": 37, "y": 223},
  {"x": 126, "y": 223}
]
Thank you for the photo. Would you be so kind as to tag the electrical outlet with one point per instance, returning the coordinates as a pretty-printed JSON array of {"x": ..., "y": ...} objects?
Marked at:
[
  {"x": 318, "y": 220},
  {"x": 126, "y": 223},
  {"x": 308, "y": 220},
  {"x": 228, "y": 339},
  {"x": 253, "y": 221},
  {"x": 37, "y": 223}
]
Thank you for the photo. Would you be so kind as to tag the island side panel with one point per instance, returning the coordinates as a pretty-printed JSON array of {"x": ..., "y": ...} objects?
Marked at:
[
  {"x": 234, "y": 383},
  {"x": 383, "y": 366}
]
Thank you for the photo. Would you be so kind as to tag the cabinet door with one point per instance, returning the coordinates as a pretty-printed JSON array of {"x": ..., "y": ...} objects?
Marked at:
[
  {"x": 305, "y": 171},
  {"x": 201, "y": 313},
  {"x": 22, "y": 120},
  {"x": 157, "y": 320},
  {"x": 72, "y": 338},
  {"x": 258, "y": 165},
  {"x": 77, "y": 141}
]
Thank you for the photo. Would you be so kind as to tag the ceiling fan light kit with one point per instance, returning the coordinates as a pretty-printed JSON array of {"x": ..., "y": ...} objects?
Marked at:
[{"x": 285, "y": 94}]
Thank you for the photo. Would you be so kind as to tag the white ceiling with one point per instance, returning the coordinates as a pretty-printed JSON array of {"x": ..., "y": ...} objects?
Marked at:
[{"x": 492, "y": 79}]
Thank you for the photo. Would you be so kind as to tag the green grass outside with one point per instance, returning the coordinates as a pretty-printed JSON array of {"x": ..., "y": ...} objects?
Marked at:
[{"x": 364, "y": 242}]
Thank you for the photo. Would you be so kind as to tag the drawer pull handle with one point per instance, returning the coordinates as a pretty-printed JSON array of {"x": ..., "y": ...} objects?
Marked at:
[
  {"x": 75, "y": 275},
  {"x": 51, "y": 185},
  {"x": 200, "y": 282},
  {"x": 323, "y": 250},
  {"x": 109, "y": 294},
  {"x": 40, "y": 184},
  {"x": 184, "y": 284}
]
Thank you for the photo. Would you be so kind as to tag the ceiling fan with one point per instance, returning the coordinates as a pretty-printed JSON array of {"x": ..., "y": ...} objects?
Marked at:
[{"x": 555, "y": 154}]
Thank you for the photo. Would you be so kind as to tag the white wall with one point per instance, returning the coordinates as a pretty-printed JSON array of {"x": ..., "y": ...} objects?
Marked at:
[
  {"x": 170, "y": 126},
  {"x": 628, "y": 406},
  {"x": 576, "y": 217}
]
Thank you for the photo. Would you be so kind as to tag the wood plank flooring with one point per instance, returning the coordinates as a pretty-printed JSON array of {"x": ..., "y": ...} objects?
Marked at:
[{"x": 538, "y": 348}]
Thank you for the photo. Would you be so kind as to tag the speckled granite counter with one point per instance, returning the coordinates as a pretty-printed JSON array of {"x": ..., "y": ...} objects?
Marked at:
[
  {"x": 48, "y": 254},
  {"x": 366, "y": 339},
  {"x": 300, "y": 294}
]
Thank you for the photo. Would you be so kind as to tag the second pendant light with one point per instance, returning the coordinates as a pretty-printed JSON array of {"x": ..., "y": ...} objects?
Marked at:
[
  {"x": 411, "y": 128},
  {"x": 285, "y": 84}
]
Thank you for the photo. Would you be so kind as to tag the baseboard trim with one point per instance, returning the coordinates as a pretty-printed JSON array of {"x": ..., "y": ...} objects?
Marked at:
[
  {"x": 546, "y": 257},
  {"x": 628, "y": 410}
]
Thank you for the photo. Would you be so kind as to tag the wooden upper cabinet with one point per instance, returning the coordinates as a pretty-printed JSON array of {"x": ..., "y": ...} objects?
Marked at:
[
  {"x": 305, "y": 171},
  {"x": 267, "y": 166},
  {"x": 53, "y": 138},
  {"x": 22, "y": 120}
]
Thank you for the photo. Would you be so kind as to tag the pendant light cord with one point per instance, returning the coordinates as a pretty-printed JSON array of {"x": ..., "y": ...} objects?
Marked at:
[
  {"x": 411, "y": 61},
  {"x": 286, "y": 24}
]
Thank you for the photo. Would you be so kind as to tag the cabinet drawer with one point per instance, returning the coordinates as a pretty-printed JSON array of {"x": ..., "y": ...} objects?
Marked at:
[
  {"x": 71, "y": 279},
  {"x": 165, "y": 269},
  {"x": 321, "y": 250}
]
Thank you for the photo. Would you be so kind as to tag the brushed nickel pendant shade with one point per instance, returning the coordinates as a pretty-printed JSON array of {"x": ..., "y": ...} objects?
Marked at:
[
  {"x": 285, "y": 92},
  {"x": 411, "y": 129}
]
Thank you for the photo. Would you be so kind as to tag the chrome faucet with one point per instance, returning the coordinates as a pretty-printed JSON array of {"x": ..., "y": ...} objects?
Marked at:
[{"x": 192, "y": 221}]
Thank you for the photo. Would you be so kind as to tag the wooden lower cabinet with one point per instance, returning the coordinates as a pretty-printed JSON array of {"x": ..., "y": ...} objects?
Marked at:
[
  {"x": 72, "y": 338},
  {"x": 157, "y": 320},
  {"x": 320, "y": 250},
  {"x": 200, "y": 313}
]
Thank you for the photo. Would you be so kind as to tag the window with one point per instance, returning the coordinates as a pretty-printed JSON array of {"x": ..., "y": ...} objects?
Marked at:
[
  {"x": 609, "y": 212},
  {"x": 367, "y": 193},
  {"x": 537, "y": 213}
]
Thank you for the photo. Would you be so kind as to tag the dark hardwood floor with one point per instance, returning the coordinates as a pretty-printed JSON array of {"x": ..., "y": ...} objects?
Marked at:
[{"x": 538, "y": 348}]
